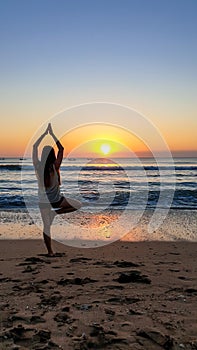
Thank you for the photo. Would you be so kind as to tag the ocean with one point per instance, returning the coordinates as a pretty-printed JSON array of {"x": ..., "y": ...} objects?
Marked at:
[{"x": 101, "y": 184}]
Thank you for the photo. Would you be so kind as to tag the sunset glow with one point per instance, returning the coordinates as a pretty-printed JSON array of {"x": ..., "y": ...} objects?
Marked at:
[{"x": 107, "y": 140}]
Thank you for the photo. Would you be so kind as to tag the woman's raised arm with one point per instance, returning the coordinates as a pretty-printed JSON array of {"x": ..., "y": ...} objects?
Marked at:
[
  {"x": 35, "y": 147},
  {"x": 59, "y": 146}
]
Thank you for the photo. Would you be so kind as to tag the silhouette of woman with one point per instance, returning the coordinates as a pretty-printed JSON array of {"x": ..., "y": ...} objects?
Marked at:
[{"x": 48, "y": 176}]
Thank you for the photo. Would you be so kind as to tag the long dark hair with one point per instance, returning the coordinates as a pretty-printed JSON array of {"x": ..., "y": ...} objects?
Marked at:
[{"x": 47, "y": 161}]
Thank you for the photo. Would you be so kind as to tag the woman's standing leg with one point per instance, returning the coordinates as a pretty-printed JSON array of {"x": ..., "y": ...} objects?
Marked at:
[{"x": 47, "y": 218}]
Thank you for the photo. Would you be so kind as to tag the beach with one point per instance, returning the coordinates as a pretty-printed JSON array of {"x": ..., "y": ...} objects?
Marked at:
[{"x": 124, "y": 295}]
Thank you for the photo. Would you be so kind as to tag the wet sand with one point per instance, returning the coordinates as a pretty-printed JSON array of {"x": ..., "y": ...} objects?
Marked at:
[{"x": 126, "y": 295}]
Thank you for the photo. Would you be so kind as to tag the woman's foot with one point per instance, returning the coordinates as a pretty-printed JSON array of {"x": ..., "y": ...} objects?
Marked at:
[
  {"x": 57, "y": 255},
  {"x": 51, "y": 253}
]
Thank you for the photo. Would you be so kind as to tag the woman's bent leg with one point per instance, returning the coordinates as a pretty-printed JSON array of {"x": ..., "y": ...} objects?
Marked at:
[{"x": 68, "y": 205}]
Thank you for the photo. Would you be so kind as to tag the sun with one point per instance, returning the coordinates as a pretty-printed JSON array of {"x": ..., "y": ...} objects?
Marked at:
[{"x": 105, "y": 148}]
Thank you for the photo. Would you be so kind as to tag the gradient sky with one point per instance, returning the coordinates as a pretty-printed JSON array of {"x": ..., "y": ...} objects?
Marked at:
[{"x": 59, "y": 53}]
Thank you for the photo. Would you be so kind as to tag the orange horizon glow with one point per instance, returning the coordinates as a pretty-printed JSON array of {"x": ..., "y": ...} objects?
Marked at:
[
  {"x": 82, "y": 143},
  {"x": 102, "y": 140}
]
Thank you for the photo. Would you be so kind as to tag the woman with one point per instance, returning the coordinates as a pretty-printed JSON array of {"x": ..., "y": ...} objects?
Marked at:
[{"x": 48, "y": 175}]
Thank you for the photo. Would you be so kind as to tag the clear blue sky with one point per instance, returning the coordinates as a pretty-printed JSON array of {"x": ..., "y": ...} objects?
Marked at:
[{"x": 143, "y": 53}]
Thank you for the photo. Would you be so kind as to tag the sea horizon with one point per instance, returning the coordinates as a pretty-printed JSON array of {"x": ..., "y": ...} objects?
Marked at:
[{"x": 123, "y": 183}]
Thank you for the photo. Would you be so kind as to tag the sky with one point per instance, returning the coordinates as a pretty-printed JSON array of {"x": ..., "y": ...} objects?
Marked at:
[{"x": 56, "y": 54}]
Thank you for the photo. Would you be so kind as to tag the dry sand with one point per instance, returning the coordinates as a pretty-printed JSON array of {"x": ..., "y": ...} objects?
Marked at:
[{"x": 140, "y": 295}]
